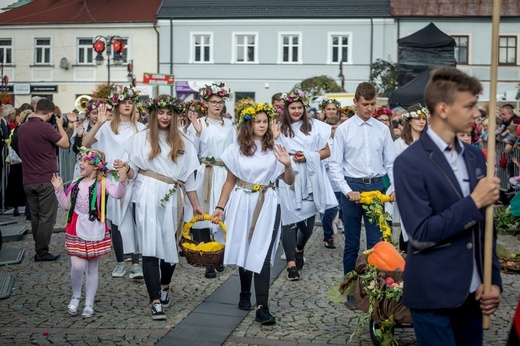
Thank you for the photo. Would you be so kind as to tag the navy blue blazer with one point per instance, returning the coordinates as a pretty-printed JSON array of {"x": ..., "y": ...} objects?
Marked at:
[{"x": 446, "y": 230}]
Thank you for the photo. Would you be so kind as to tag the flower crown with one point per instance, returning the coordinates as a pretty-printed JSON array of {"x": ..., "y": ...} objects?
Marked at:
[
  {"x": 418, "y": 114},
  {"x": 215, "y": 89},
  {"x": 166, "y": 101},
  {"x": 348, "y": 110},
  {"x": 92, "y": 105},
  {"x": 121, "y": 93},
  {"x": 94, "y": 159},
  {"x": 243, "y": 103},
  {"x": 250, "y": 111},
  {"x": 382, "y": 111},
  {"x": 327, "y": 102},
  {"x": 198, "y": 105},
  {"x": 294, "y": 96}
]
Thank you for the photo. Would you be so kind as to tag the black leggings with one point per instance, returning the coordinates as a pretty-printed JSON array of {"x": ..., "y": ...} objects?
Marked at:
[
  {"x": 296, "y": 235},
  {"x": 262, "y": 278},
  {"x": 155, "y": 275},
  {"x": 117, "y": 243}
]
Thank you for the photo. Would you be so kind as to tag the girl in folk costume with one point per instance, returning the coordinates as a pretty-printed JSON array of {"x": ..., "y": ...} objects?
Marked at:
[
  {"x": 330, "y": 108},
  {"x": 110, "y": 136},
  {"x": 213, "y": 134},
  {"x": 306, "y": 140},
  {"x": 415, "y": 121},
  {"x": 164, "y": 163},
  {"x": 254, "y": 164},
  {"x": 86, "y": 233}
]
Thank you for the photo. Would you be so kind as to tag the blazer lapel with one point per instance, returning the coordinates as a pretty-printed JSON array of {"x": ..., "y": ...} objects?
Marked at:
[
  {"x": 439, "y": 160},
  {"x": 471, "y": 165}
]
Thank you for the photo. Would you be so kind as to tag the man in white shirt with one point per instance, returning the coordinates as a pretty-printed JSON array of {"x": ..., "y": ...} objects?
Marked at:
[{"x": 363, "y": 154}]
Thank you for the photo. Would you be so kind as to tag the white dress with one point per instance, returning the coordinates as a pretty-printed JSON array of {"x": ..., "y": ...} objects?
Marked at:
[
  {"x": 292, "y": 210},
  {"x": 119, "y": 211},
  {"x": 214, "y": 139},
  {"x": 156, "y": 225},
  {"x": 262, "y": 169}
]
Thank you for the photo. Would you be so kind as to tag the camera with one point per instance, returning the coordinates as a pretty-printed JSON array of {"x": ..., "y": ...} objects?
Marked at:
[
  {"x": 52, "y": 120},
  {"x": 397, "y": 123}
]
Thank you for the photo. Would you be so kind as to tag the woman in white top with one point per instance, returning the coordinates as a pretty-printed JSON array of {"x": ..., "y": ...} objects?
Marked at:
[
  {"x": 164, "y": 161},
  {"x": 414, "y": 124},
  {"x": 110, "y": 136},
  {"x": 212, "y": 133},
  {"x": 252, "y": 200},
  {"x": 306, "y": 140}
]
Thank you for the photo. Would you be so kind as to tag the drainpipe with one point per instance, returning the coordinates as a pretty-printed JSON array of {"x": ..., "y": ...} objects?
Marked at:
[
  {"x": 171, "y": 52},
  {"x": 398, "y": 36},
  {"x": 371, "y": 44},
  {"x": 158, "y": 45}
]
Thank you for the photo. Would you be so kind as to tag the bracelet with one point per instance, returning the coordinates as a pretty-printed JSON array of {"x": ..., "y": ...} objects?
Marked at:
[
  {"x": 128, "y": 170},
  {"x": 218, "y": 207}
]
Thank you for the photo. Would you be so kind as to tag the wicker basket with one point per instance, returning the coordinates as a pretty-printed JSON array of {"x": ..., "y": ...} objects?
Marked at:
[
  {"x": 204, "y": 259},
  {"x": 510, "y": 266}
]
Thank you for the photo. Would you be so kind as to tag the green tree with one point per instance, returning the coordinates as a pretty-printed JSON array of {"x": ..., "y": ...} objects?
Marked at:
[
  {"x": 384, "y": 76},
  {"x": 317, "y": 86}
]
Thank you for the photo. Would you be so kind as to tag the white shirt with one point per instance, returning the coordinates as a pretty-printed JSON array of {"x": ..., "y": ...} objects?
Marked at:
[{"x": 362, "y": 149}]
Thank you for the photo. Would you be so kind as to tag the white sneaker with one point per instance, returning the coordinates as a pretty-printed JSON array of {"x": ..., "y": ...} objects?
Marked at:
[
  {"x": 119, "y": 271},
  {"x": 136, "y": 272},
  {"x": 282, "y": 256}
]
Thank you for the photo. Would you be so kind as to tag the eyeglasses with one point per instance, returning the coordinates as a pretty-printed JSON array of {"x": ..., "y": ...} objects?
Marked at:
[
  {"x": 384, "y": 120},
  {"x": 217, "y": 103}
]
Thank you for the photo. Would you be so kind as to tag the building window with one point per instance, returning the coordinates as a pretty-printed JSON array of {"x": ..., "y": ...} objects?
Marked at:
[
  {"x": 43, "y": 51},
  {"x": 6, "y": 51},
  {"x": 291, "y": 48},
  {"x": 245, "y": 47},
  {"x": 202, "y": 47},
  {"x": 85, "y": 51},
  {"x": 125, "y": 50},
  {"x": 340, "y": 48},
  {"x": 507, "y": 50},
  {"x": 461, "y": 49}
]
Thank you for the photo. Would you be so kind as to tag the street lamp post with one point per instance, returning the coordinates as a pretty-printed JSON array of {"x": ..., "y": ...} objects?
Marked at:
[{"x": 102, "y": 43}]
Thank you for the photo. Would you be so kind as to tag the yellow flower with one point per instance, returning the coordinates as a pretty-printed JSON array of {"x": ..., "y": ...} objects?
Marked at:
[{"x": 256, "y": 188}]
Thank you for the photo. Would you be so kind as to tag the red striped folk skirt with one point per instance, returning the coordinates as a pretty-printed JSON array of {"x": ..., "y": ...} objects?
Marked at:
[{"x": 75, "y": 246}]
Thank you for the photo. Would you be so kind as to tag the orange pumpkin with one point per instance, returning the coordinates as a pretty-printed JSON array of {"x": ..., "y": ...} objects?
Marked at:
[{"x": 385, "y": 256}]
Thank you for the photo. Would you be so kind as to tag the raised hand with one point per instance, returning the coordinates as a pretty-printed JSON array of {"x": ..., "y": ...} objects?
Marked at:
[
  {"x": 275, "y": 128},
  {"x": 102, "y": 113},
  {"x": 282, "y": 155},
  {"x": 197, "y": 125},
  {"x": 56, "y": 181}
]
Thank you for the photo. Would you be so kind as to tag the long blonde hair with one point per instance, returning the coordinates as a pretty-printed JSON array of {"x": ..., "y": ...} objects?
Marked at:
[
  {"x": 173, "y": 137},
  {"x": 116, "y": 119}
]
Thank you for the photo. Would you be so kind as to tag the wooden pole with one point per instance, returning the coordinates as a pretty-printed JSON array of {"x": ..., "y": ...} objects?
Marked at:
[{"x": 488, "y": 243}]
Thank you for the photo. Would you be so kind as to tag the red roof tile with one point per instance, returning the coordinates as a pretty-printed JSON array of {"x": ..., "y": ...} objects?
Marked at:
[
  {"x": 452, "y": 8},
  {"x": 81, "y": 11}
]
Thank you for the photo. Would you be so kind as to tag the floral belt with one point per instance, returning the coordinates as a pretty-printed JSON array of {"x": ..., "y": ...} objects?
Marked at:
[
  {"x": 261, "y": 189},
  {"x": 180, "y": 204}
]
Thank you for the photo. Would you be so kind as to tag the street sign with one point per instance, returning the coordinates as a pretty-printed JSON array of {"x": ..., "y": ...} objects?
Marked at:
[
  {"x": 158, "y": 78},
  {"x": 22, "y": 88}
]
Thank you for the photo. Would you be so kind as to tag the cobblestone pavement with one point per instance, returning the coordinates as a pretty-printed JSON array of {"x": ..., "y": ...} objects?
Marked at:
[{"x": 36, "y": 313}]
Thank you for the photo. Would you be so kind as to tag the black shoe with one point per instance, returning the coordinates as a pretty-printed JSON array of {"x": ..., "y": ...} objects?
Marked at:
[
  {"x": 157, "y": 312},
  {"x": 350, "y": 303},
  {"x": 298, "y": 258},
  {"x": 210, "y": 273},
  {"x": 245, "y": 301},
  {"x": 16, "y": 213},
  {"x": 293, "y": 274},
  {"x": 220, "y": 268},
  {"x": 263, "y": 316},
  {"x": 46, "y": 257},
  {"x": 329, "y": 244}
]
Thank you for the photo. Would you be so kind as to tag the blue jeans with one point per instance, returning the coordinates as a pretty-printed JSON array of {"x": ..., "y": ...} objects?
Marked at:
[
  {"x": 327, "y": 219},
  {"x": 352, "y": 214}
]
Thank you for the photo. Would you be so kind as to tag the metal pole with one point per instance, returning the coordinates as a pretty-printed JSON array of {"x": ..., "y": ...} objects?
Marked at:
[{"x": 109, "y": 52}]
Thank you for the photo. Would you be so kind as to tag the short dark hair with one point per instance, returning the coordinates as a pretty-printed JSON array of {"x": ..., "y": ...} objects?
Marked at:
[
  {"x": 367, "y": 90},
  {"x": 276, "y": 97},
  {"x": 45, "y": 106},
  {"x": 445, "y": 83}
]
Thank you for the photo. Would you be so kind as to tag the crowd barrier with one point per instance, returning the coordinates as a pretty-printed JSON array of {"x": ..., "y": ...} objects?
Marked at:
[{"x": 67, "y": 160}]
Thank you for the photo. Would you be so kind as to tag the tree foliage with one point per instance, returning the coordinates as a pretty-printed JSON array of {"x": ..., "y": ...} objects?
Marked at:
[
  {"x": 384, "y": 76},
  {"x": 317, "y": 86}
]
